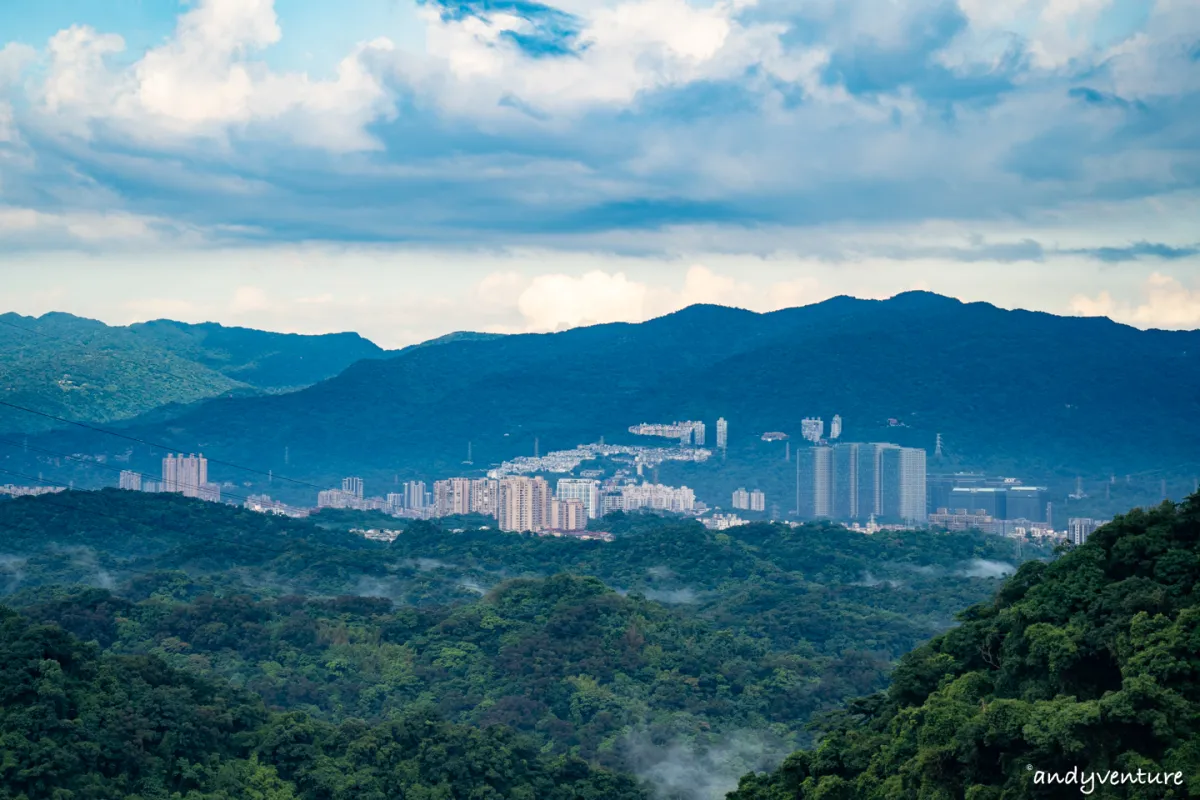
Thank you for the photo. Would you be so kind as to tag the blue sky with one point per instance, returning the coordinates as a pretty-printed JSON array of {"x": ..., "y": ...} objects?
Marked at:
[{"x": 409, "y": 168}]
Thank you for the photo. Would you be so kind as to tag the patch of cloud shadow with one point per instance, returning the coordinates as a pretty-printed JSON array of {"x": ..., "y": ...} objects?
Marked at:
[
  {"x": 1095, "y": 97},
  {"x": 696, "y": 101},
  {"x": 644, "y": 214},
  {"x": 868, "y": 68},
  {"x": 1024, "y": 250},
  {"x": 517, "y": 104},
  {"x": 1114, "y": 255},
  {"x": 553, "y": 33},
  {"x": 1054, "y": 156}
]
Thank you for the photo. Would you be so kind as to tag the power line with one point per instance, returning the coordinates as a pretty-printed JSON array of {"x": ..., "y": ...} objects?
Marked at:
[{"x": 158, "y": 445}]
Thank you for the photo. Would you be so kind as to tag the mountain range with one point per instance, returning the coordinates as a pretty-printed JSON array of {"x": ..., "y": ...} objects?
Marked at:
[
  {"x": 84, "y": 370},
  {"x": 1008, "y": 390}
]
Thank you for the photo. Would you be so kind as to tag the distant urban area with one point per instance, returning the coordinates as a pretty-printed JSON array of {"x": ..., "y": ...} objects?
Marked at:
[{"x": 867, "y": 486}]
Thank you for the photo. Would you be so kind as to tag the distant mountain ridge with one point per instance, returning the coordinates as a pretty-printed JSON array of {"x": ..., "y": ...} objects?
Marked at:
[
  {"x": 1011, "y": 389},
  {"x": 85, "y": 370}
]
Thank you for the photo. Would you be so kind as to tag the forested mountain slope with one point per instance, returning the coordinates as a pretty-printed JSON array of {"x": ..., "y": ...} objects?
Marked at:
[
  {"x": 1026, "y": 392},
  {"x": 1088, "y": 663},
  {"x": 84, "y": 370},
  {"x": 76, "y": 723},
  {"x": 669, "y": 640}
]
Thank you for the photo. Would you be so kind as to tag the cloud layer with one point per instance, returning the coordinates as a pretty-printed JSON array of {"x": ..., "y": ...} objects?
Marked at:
[{"x": 842, "y": 133}]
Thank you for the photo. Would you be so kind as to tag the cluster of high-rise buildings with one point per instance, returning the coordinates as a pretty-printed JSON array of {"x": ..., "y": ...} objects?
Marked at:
[
  {"x": 517, "y": 502},
  {"x": 963, "y": 501},
  {"x": 858, "y": 480},
  {"x": 185, "y": 475},
  {"x": 749, "y": 501}
]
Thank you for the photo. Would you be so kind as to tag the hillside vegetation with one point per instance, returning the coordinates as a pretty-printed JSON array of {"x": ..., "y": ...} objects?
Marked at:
[
  {"x": 1088, "y": 663},
  {"x": 87, "y": 371},
  {"x": 650, "y": 653}
]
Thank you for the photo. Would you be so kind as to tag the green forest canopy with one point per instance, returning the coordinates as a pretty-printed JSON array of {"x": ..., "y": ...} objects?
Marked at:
[
  {"x": 671, "y": 636},
  {"x": 1088, "y": 663}
]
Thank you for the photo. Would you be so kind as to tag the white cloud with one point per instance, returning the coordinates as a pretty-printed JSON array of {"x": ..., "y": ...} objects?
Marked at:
[
  {"x": 204, "y": 82},
  {"x": 249, "y": 299},
  {"x": 85, "y": 228},
  {"x": 623, "y": 50},
  {"x": 554, "y": 302},
  {"x": 1166, "y": 303}
]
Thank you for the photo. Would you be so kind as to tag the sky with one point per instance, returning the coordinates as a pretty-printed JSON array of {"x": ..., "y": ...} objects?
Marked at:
[{"x": 409, "y": 169}]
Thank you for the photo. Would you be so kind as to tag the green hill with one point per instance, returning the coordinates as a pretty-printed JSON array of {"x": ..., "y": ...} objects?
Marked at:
[
  {"x": 1086, "y": 666},
  {"x": 78, "y": 723},
  {"x": 87, "y": 371},
  {"x": 649, "y": 653}
]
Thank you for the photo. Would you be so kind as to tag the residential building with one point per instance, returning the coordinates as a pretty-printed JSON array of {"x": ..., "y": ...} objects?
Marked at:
[
  {"x": 741, "y": 499},
  {"x": 131, "y": 480},
  {"x": 847, "y": 489},
  {"x": 184, "y": 474},
  {"x": 720, "y": 522},
  {"x": 902, "y": 484},
  {"x": 835, "y": 427},
  {"x": 353, "y": 486},
  {"x": 335, "y": 498},
  {"x": 722, "y": 433},
  {"x": 656, "y": 496},
  {"x": 485, "y": 496},
  {"x": 585, "y": 490},
  {"x": 698, "y": 434},
  {"x": 524, "y": 504},
  {"x": 812, "y": 429},
  {"x": 415, "y": 495},
  {"x": 612, "y": 501},
  {"x": 814, "y": 483},
  {"x": 1080, "y": 528},
  {"x": 452, "y": 496},
  {"x": 758, "y": 501},
  {"x": 568, "y": 515}
]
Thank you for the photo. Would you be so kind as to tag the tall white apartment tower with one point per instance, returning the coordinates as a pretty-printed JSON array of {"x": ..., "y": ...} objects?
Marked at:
[
  {"x": 353, "y": 486},
  {"x": 835, "y": 426},
  {"x": 524, "y": 504},
  {"x": 585, "y": 490},
  {"x": 485, "y": 496},
  {"x": 184, "y": 474},
  {"x": 722, "y": 433}
]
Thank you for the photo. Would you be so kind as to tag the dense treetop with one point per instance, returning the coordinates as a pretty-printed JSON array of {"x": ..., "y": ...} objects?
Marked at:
[{"x": 1091, "y": 661}]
